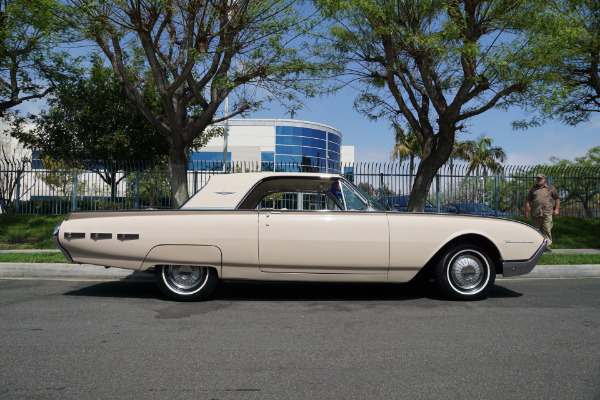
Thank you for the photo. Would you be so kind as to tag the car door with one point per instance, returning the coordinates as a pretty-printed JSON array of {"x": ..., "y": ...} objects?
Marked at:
[{"x": 331, "y": 242}]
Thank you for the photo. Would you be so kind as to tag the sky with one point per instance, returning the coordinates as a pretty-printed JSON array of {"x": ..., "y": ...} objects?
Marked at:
[{"x": 374, "y": 141}]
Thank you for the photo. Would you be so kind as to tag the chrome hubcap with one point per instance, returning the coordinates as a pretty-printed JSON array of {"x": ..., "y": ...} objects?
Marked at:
[
  {"x": 466, "y": 271},
  {"x": 185, "y": 277}
]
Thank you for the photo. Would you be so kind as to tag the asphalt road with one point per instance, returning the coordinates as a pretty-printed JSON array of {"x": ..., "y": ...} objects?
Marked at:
[{"x": 533, "y": 338}]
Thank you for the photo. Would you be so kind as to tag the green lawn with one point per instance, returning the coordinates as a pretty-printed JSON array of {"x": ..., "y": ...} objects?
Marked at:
[
  {"x": 569, "y": 259},
  {"x": 40, "y": 257},
  {"x": 574, "y": 233},
  {"x": 27, "y": 231}
]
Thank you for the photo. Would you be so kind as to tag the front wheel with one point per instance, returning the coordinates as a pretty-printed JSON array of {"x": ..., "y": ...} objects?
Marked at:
[
  {"x": 186, "y": 282},
  {"x": 465, "y": 272}
]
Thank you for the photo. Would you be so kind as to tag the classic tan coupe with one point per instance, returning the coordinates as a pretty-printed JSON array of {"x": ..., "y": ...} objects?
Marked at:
[{"x": 299, "y": 227}]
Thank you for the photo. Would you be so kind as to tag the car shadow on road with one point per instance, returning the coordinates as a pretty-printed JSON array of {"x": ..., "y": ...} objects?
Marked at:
[
  {"x": 133, "y": 289},
  {"x": 285, "y": 291}
]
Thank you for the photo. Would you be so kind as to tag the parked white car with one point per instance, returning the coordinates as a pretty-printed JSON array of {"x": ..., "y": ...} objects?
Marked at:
[{"x": 299, "y": 227}]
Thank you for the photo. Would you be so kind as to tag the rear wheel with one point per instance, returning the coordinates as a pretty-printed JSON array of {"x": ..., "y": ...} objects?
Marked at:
[
  {"x": 465, "y": 273},
  {"x": 186, "y": 282}
]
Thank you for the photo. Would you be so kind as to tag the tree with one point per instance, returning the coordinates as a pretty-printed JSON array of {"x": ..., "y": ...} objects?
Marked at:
[
  {"x": 483, "y": 156},
  {"x": 197, "y": 53},
  {"x": 434, "y": 64},
  {"x": 460, "y": 151},
  {"x": 407, "y": 147},
  {"x": 30, "y": 65},
  {"x": 90, "y": 122},
  {"x": 573, "y": 93},
  {"x": 584, "y": 187}
]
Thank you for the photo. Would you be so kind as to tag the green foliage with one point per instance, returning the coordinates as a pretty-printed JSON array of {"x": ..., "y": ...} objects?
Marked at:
[
  {"x": 582, "y": 189},
  {"x": 150, "y": 187},
  {"x": 484, "y": 157},
  {"x": 60, "y": 177},
  {"x": 571, "y": 35},
  {"x": 30, "y": 64},
  {"x": 91, "y": 119}
]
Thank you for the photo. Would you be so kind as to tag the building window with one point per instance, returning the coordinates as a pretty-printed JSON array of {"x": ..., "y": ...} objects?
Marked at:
[
  {"x": 208, "y": 161},
  {"x": 267, "y": 159},
  {"x": 307, "y": 149}
]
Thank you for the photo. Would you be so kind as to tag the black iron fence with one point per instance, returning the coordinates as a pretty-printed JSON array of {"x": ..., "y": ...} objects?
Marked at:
[{"x": 30, "y": 188}]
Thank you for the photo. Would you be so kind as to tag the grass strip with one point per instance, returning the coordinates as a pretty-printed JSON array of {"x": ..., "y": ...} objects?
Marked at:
[
  {"x": 569, "y": 259},
  {"x": 41, "y": 257},
  {"x": 18, "y": 231}
]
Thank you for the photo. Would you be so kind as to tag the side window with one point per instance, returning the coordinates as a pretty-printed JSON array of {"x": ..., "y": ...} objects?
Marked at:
[
  {"x": 297, "y": 201},
  {"x": 353, "y": 202}
]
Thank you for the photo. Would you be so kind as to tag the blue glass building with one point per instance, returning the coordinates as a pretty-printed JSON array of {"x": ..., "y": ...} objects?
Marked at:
[{"x": 279, "y": 145}]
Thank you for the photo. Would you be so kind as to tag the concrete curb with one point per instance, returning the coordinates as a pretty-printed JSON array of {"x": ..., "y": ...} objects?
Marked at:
[{"x": 88, "y": 271}]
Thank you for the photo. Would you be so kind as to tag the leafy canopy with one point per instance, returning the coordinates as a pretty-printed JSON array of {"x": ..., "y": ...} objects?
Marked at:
[{"x": 30, "y": 64}]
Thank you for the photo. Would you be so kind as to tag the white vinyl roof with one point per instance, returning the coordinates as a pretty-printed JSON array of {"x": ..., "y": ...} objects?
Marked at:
[{"x": 226, "y": 191}]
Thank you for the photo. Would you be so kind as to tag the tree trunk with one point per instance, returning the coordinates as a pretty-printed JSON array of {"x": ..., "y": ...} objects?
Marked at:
[
  {"x": 586, "y": 207},
  {"x": 113, "y": 187},
  {"x": 436, "y": 151},
  {"x": 418, "y": 195},
  {"x": 412, "y": 170},
  {"x": 178, "y": 163}
]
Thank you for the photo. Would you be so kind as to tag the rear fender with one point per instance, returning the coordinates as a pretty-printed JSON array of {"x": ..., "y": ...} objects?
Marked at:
[{"x": 168, "y": 254}]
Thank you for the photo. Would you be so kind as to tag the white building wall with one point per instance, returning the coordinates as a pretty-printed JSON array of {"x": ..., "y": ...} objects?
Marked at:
[{"x": 347, "y": 155}]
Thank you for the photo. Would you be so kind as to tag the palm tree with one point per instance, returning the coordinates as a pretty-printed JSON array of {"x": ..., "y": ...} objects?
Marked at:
[
  {"x": 407, "y": 147},
  {"x": 484, "y": 158},
  {"x": 461, "y": 151}
]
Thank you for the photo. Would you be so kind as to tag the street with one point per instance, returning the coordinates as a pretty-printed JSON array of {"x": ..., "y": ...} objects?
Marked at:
[{"x": 532, "y": 338}]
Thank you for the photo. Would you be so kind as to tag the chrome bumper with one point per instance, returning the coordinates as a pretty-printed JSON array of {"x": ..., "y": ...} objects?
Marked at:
[
  {"x": 57, "y": 243},
  {"x": 516, "y": 268}
]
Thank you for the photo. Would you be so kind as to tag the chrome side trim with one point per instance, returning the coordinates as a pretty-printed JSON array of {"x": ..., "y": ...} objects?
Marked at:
[
  {"x": 74, "y": 235},
  {"x": 97, "y": 236},
  {"x": 128, "y": 236},
  {"x": 516, "y": 268},
  {"x": 56, "y": 241}
]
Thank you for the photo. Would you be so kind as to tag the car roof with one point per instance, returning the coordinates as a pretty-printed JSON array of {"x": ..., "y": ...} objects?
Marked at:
[{"x": 226, "y": 191}]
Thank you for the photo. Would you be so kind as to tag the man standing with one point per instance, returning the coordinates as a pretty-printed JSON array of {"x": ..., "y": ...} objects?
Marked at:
[{"x": 545, "y": 202}]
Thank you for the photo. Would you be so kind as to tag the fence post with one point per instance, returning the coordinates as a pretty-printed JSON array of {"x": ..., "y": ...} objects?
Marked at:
[
  {"x": 137, "y": 190},
  {"x": 18, "y": 193},
  {"x": 381, "y": 186},
  {"x": 496, "y": 202},
  {"x": 74, "y": 197},
  {"x": 437, "y": 192}
]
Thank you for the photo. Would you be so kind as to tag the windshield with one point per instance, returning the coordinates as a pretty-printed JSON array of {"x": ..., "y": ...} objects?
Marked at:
[{"x": 377, "y": 206}]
